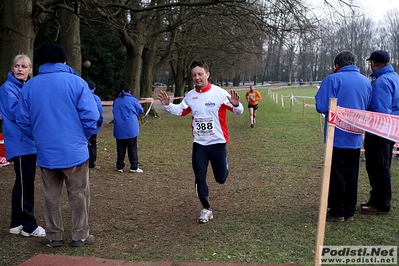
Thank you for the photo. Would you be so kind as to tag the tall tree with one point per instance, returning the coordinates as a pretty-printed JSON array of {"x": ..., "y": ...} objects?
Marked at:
[
  {"x": 390, "y": 30},
  {"x": 70, "y": 35},
  {"x": 17, "y": 33}
]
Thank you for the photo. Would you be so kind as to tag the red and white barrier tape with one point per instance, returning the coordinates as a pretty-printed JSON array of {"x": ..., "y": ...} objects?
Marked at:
[
  {"x": 142, "y": 100},
  {"x": 357, "y": 121},
  {"x": 3, "y": 161}
]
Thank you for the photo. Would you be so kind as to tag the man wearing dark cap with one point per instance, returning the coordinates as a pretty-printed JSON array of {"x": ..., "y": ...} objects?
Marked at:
[
  {"x": 93, "y": 139},
  {"x": 378, "y": 150},
  {"x": 57, "y": 109}
]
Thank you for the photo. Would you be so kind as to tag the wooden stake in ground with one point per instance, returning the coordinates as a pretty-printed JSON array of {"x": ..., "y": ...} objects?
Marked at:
[
  {"x": 321, "y": 225},
  {"x": 321, "y": 124},
  {"x": 291, "y": 102}
]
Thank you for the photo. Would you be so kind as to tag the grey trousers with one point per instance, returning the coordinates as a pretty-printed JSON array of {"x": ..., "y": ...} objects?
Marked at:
[{"x": 78, "y": 191}]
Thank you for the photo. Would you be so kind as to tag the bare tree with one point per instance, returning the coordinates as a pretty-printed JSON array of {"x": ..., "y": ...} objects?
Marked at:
[
  {"x": 141, "y": 24},
  {"x": 390, "y": 33},
  {"x": 70, "y": 35},
  {"x": 21, "y": 20},
  {"x": 17, "y": 33}
]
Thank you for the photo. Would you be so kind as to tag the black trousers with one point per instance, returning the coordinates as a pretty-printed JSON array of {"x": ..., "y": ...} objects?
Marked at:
[
  {"x": 342, "y": 196},
  {"x": 202, "y": 155},
  {"x": 131, "y": 146},
  {"x": 92, "y": 150},
  {"x": 378, "y": 153},
  {"x": 23, "y": 193}
]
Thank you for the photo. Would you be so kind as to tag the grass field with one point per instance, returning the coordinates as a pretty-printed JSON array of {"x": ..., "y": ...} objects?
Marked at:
[{"x": 267, "y": 211}]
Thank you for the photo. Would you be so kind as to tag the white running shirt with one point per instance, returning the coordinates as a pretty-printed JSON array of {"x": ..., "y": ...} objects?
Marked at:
[{"x": 208, "y": 108}]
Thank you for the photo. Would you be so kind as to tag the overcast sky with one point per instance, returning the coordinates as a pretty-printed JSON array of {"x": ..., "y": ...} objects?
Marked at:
[{"x": 375, "y": 9}]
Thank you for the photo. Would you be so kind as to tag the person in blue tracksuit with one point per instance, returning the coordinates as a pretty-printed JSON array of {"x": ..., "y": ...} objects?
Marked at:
[
  {"x": 352, "y": 90},
  {"x": 93, "y": 139},
  {"x": 378, "y": 150},
  {"x": 58, "y": 111},
  {"x": 126, "y": 109},
  {"x": 21, "y": 150}
]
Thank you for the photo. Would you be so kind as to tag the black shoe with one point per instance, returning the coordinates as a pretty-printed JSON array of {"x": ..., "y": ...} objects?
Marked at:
[
  {"x": 51, "y": 243},
  {"x": 252, "y": 125},
  {"x": 80, "y": 243},
  {"x": 365, "y": 204},
  {"x": 372, "y": 210},
  {"x": 334, "y": 218}
]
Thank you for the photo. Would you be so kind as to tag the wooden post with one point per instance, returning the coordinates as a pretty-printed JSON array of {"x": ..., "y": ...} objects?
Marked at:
[
  {"x": 282, "y": 101},
  {"x": 321, "y": 225},
  {"x": 291, "y": 103},
  {"x": 303, "y": 110}
]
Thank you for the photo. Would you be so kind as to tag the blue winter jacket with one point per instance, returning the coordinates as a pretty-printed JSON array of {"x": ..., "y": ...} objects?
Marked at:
[
  {"x": 100, "y": 110},
  {"x": 352, "y": 90},
  {"x": 126, "y": 111},
  {"x": 58, "y": 110},
  {"x": 16, "y": 143},
  {"x": 385, "y": 91}
]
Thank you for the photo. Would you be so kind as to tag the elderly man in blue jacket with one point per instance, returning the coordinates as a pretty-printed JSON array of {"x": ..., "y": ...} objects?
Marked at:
[
  {"x": 352, "y": 90},
  {"x": 57, "y": 109},
  {"x": 378, "y": 150}
]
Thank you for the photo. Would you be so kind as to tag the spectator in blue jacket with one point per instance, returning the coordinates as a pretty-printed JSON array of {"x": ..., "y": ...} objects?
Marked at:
[
  {"x": 352, "y": 90},
  {"x": 21, "y": 150},
  {"x": 93, "y": 139},
  {"x": 58, "y": 111},
  {"x": 126, "y": 109},
  {"x": 378, "y": 150}
]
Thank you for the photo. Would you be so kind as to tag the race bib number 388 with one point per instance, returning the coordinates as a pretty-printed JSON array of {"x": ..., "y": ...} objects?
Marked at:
[{"x": 204, "y": 126}]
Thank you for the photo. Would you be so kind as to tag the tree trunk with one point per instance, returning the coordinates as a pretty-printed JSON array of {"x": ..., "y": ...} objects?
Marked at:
[
  {"x": 179, "y": 68},
  {"x": 180, "y": 79},
  {"x": 148, "y": 74},
  {"x": 134, "y": 60},
  {"x": 70, "y": 38},
  {"x": 149, "y": 56},
  {"x": 17, "y": 33}
]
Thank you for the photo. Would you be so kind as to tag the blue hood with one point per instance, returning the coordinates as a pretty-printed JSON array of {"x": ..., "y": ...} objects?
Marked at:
[{"x": 58, "y": 111}]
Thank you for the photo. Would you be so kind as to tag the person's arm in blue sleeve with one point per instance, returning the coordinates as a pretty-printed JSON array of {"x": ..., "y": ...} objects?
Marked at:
[
  {"x": 22, "y": 116},
  {"x": 323, "y": 96},
  {"x": 381, "y": 95},
  {"x": 100, "y": 110},
  {"x": 10, "y": 104},
  {"x": 137, "y": 108},
  {"x": 88, "y": 112}
]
